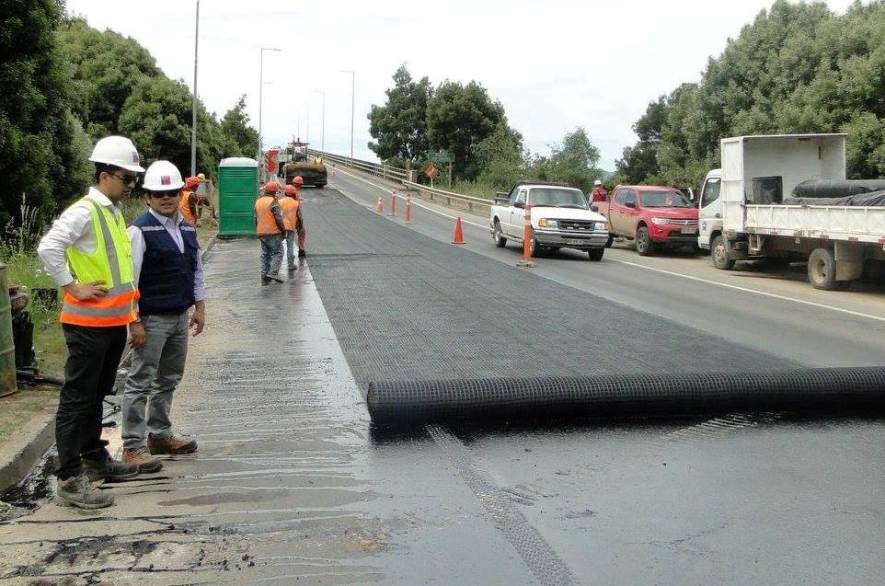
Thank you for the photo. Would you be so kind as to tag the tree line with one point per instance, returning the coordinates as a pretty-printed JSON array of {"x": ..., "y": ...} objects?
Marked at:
[
  {"x": 64, "y": 85},
  {"x": 796, "y": 68},
  {"x": 460, "y": 123}
]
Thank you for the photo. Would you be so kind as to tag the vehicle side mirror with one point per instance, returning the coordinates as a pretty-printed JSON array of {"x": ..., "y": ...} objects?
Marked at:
[
  {"x": 518, "y": 204},
  {"x": 630, "y": 204},
  {"x": 594, "y": 208}
]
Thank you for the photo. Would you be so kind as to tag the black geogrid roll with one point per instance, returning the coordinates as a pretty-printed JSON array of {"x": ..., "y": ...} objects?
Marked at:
[
  {"x": 452, "y": 333},
  {"x": 419, "y": 402}
]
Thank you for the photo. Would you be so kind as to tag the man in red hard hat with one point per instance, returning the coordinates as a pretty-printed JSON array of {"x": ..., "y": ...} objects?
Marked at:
[{"x": 297, "y": 182}]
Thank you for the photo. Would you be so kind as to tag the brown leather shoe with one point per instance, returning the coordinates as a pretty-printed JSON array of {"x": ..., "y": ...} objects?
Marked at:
[
  {"x": 171, "y": 445},
  {"x": 141, "y": 458}
]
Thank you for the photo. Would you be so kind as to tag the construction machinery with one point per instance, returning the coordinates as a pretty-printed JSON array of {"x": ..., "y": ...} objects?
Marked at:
[{"x": 311, "y": 169}]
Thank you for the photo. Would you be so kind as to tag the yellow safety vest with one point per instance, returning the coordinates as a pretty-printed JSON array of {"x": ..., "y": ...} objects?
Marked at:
[{"x": 111, "y": 264}]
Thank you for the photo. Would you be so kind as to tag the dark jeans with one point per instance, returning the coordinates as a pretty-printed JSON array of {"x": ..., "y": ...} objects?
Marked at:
[{"x": 90, "y": 372}]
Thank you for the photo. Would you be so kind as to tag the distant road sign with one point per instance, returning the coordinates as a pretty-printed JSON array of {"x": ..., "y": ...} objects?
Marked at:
[{"x": 431, "y": 171}]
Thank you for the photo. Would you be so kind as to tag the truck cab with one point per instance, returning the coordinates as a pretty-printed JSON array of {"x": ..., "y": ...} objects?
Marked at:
[{"x": 710, "y": 209}]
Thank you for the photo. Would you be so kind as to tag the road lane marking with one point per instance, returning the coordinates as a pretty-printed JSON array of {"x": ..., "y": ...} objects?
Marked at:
[
  {"x": 666, "y": 272},
  {"x": 753, "y": 291}
]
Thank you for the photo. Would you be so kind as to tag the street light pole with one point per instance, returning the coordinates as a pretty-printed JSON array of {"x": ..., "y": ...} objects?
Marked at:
[
  {"x": 194, "y": 106},
  {"x": 308, "y": 123},
  {"x": 323, "y": 131},
  {"x": 352, "y": 104},
  {"x": 261, "y": 98}
]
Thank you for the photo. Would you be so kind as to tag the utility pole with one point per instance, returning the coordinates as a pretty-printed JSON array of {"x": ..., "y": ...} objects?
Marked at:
[
  {"x": 261, "y": 98},
  {"x": 194, "y": 106},
  {"x": 352, "y": 104}
]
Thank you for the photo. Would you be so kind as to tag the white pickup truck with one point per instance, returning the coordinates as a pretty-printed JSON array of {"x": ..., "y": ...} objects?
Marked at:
[
  {"x": 746, "y": 212},
  {"x": 560, "y": 217}
]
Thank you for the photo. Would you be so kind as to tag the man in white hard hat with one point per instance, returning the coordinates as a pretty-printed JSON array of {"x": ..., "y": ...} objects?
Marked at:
[
  {"x": 87, "y": 252},
  {"x": 169, "y": 273},
  {"x": 599, "y": 193}
]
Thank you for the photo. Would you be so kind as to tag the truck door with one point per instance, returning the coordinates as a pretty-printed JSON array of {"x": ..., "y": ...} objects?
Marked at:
[
  {"x": 614, "y": 211},
  {"x": 710, "y": 209},
  {"x": 517, "y": 210}
]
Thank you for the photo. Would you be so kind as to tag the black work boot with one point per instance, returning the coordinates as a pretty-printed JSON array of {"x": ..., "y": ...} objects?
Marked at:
[{"x": 108, "y": 469}]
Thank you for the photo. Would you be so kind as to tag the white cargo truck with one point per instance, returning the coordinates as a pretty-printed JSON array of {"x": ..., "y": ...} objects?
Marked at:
[{"x": 743, "y": 214}]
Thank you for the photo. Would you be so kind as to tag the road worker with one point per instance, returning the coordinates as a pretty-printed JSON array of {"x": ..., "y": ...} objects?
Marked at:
[
  {"x": 298, "y": 182},
  {"x": 599, "y": 193},
  {"x": 269, "y": 227},
  {"x": 187, "y": 205},
  {"x": 169, "y": 273},
  {"x": 87, "y": 252},
  {"x": 291, "y": 210}
]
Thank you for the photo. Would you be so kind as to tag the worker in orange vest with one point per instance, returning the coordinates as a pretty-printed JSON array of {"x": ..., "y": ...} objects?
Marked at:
[
  {"x": 270, "y": 228},
  {"x": 297, "y": 182},
  {"x": 291, "y": 210},
  {"x": 187, "y": 205}
]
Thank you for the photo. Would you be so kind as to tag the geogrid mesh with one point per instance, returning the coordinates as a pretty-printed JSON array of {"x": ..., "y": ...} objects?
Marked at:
[{"x": 433, "y": 332}]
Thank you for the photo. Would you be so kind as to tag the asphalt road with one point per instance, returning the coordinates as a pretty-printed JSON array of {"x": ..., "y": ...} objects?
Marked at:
[
  {"x": 769, "y": 308},
  {"x": 293, "y": 485}
]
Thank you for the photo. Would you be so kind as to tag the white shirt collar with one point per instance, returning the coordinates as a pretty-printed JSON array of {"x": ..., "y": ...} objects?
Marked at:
[{"x": 98, "y": 197}]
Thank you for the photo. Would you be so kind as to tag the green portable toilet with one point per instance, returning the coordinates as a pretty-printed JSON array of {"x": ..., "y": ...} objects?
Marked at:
[{"x": 237, "y": 191}]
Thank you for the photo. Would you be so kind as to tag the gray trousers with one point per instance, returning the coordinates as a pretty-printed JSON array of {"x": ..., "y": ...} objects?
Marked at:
[
  {"x": 157, "y": 368},
  {"x": 290, "y": 249},
  {"x": 271, "y": 254}
]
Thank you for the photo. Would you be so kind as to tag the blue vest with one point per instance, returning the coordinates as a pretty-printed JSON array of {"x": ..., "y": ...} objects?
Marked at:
[{"x": 166, "y": 281}]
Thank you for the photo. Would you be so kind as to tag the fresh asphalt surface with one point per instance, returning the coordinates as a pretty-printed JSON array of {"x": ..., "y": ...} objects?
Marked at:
[{"x": 292, "y": 484}]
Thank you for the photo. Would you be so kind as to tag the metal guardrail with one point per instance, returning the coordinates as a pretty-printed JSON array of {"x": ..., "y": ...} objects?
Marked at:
[{"x": 406, "y": 178}]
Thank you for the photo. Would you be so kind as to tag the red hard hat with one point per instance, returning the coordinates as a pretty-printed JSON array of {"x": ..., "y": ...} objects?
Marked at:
[
  {"x": 271, "y": 187},
  {"x": 191, "y": 182},
  {"x": 290, "y": 190},
  {"x": 298, "y": 180}
]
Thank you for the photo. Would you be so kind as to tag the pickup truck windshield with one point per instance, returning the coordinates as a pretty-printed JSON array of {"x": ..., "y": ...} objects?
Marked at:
[
  {"x": 558, "y": 198},
  {"x": 663, "y": 199}
]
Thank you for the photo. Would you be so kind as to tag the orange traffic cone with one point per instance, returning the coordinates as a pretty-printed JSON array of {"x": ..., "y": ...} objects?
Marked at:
[
  {"x": 379, "y": 207},
  {"x": 392, "y": 204},
  {"x": 458, "y": 238}
]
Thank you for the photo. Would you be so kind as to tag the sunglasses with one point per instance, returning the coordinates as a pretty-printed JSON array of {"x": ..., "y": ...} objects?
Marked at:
[
  {"x": 164, "y": 194},
  {"x": 127, "y": 179}
]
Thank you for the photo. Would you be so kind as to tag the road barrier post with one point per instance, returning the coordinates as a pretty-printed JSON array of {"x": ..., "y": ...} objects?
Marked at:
[
  {"x": 392, "y": 203},
  {"x": 379, "y": 207},
  {"x": 527, "y": 237},
  {"x": 408, "y": 209}
]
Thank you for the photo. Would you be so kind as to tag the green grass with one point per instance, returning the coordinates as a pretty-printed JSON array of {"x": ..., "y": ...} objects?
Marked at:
[{"x": 473, "y": 189}]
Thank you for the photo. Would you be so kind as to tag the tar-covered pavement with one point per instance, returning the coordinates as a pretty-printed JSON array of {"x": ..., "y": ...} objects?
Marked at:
[{"x": 292, "y": 485}]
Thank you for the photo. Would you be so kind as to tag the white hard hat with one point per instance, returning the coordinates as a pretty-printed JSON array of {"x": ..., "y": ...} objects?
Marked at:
[
  {"x": 162, "y": 176},
  {"x": 117, "y": 151},
  {"x": 597, "y": 182}
]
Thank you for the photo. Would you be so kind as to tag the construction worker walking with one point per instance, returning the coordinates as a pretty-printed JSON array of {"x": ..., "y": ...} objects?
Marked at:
[
  {"x": 298, "y": 182},
  {"x": 87, "y": 252},
  {"x": 599, "y": 193},
  {"x": 169, "y": 272},
  {"x": 269, "y": 227},
  {"x": 187, "y": 204},
  {"x": 291, "y": 211}
]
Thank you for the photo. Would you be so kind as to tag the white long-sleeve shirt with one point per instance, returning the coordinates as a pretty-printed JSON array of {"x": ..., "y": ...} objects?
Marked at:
[
  {"x": 72, "y": 228},
  {"x": 173, "y": 228}
]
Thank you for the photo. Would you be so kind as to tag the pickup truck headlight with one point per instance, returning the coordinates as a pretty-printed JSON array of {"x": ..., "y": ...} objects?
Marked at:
[
  {"x": 545, "y": 223},
  {"x": 660, "y": 221},
  {"x": 602, "y": 226}
]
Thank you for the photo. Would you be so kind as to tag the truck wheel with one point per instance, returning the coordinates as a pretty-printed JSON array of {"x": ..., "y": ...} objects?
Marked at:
[
  {"x": 644, "y": 245},
  {"x": 534, "y": 248},
  {"x": 498, "y": 236},
  {"x": 610, "y": 241},
  {"x": 719, "y": 255},
  {"x": 822, "y": 270},
  {"x": 595, "y": 254}
]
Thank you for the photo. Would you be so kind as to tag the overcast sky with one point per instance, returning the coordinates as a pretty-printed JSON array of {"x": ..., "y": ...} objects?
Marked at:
[{"x": 554, "y": 64}]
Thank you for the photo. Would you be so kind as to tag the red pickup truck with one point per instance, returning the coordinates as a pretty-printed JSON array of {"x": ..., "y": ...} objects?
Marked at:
[{"x": 652, "y": 216}]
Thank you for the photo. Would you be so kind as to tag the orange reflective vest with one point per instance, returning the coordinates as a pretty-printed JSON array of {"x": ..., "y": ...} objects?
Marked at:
[
  {"x": 111, "y": 265},
  {"x": 289, "y": 209},
  {"x": 184, "y": 206},
  {"x": 266, "y": 224}
]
